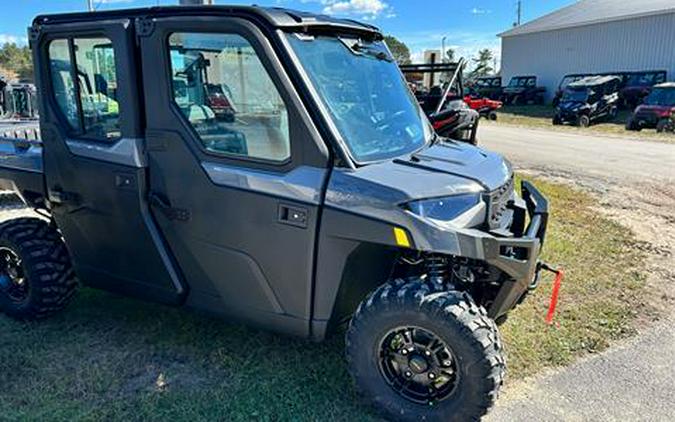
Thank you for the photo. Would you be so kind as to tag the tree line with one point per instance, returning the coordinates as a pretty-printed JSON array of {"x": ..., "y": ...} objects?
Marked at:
[
  {"x": 482, "y": 63},
  {"x": 16, "y": 61}
]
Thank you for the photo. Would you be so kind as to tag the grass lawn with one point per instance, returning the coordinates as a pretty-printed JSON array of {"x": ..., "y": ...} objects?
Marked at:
[
  {"x": 112, "y": 358},
  {"x": 541, "y": 116}
]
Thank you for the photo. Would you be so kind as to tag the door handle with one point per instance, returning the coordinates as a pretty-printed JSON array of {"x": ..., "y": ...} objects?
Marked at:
[
  {"x": 58, "y": 196},
  {"x": 162, "y": 203},
  {"x": 293, "y": 216}
]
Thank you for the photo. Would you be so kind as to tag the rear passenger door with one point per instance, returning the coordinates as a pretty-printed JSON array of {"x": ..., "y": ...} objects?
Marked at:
[
  {"x": 94, "y": 162},
  {"x": 236, "y": 168}
]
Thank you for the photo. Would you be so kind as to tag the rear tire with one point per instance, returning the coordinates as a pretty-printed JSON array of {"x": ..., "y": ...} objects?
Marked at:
[
  {"x": 412, "y": 310},
  {"x": 36, "y": 277},
  {"x": 492, "y": 116}
]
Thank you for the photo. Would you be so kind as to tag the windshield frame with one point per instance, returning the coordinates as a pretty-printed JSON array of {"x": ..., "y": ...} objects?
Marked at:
[{"x": 325, "y": 113}]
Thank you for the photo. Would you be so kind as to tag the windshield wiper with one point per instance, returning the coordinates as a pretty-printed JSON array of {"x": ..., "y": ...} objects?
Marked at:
[{"x": 357, "y": 48}]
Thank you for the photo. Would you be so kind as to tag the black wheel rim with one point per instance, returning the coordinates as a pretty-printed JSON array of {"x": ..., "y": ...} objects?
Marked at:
[
  {"x": 418, "y": 365},
  {"x": 13, "y": 282}
]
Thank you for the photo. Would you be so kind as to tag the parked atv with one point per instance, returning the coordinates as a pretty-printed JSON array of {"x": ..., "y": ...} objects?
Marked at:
[
  {"x": 343, "y": 208},
  {"x": 657, "y": 111},
  {"x": 488, "y": 87},
  {"x": 484, "y": 106},
  {"x": 523, "y": 90},
  {"x": 638, "y": 85},
  {"x": 588, "y": 100},
  {"x": 443, "y": 105}
]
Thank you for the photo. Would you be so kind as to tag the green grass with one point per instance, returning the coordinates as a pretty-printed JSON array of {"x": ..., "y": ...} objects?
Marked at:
[
  {"x": 111, "y": 358},
  {"x": 541, "y": 117}
]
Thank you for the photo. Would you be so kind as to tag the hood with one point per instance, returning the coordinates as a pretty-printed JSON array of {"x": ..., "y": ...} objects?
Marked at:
[
  {"x": 378, "y": 190},
  {"x": 654, "y": 108},
  {"x": 444, "y": 169},
  {"x": 570, "y": 105}
]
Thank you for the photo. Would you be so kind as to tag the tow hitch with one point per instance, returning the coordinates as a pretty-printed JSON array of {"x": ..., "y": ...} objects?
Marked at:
[{"x": 557, "y": 281}]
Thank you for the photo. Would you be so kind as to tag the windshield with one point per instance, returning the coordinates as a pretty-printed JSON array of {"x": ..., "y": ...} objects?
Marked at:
[
  {"x": 365, "y": 94},
  {"x": 576, "y": 94},
  {"x": 661, "y": 96}
]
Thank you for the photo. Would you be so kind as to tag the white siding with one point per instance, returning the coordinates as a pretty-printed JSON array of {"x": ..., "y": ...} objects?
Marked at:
[{"x": 646, "y": 43}]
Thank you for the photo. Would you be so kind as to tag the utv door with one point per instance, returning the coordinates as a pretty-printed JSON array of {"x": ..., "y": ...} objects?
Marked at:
[
  {"x": 94, "y": 165},
  {"x": 236, "y": 169}
]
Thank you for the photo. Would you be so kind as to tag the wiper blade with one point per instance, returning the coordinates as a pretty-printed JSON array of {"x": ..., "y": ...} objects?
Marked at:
[
  {"x": 380, "y": 55},
  {"x": 356, "y": 47}
]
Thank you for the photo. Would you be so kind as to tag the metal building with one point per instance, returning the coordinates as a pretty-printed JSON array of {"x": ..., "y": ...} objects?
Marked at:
[{"x": 592, "y": 36}]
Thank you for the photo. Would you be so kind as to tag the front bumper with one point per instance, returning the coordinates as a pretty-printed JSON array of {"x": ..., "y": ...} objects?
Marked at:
[{"x": 518, "y": 256}]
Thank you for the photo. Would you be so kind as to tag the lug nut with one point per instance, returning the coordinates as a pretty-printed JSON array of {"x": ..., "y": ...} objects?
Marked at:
[
  {"x": 408, "y": 374},
  {"x": 428, "y": 353},
  {"x": 404, "y": 352},
  {"x": 432, "y": 375}
]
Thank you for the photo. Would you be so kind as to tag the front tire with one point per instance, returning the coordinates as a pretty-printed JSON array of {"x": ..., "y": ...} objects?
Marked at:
[
  {"x": 405, "y": 331},
  {"x": 664, "y": 125},
  {"x": 583, "y": 121},
  {"x": 36, "y": 277}
]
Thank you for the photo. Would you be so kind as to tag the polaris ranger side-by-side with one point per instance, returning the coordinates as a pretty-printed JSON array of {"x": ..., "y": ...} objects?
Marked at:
[
  {"x": 588, "y": 100},
  {"x": 322, "y": 198}
]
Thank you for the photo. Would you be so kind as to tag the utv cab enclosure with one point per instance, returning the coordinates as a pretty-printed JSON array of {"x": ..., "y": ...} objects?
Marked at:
[
  {"x": 588, "y": 100},
  {"x": 317, "y": 196},
  {"x": 488, "y": 87},
  {"x": 523, "y": 90}
]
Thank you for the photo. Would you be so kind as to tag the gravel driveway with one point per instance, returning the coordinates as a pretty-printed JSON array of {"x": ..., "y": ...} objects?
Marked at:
[{"x": 634, "y": 179}]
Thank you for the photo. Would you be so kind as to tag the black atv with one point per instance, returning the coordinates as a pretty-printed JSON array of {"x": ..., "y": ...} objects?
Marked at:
[
  {"x": 327, "y": 202},
  {"x": 589, "y": 100},
  {"x": 523, "y": 90}
]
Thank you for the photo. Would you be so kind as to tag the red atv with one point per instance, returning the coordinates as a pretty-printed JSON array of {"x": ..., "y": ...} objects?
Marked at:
[{"x": 484, "y": 106}]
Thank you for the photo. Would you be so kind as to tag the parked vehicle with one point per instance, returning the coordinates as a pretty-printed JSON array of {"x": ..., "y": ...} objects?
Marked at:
[
  {"x": 346, "y": 209},
  {"x": 637, "y": 85},
  {"x": 588, "y": 100},
  {"x": 484, "y": 106},
  {"x": 523, "y": 90},
  {"x": 443, "y": 104},
  {"x": 657, "y": 110},
  {"x": 488, "y": 87}
]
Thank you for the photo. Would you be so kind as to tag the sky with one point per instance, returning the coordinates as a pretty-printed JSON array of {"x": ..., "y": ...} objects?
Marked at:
[{"x": 469, "y": 25}]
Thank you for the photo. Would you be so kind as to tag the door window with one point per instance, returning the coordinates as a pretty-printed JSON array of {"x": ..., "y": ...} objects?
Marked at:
[
  {"x": 84, "y": 81},
  {"x": 227, "y": 96}
]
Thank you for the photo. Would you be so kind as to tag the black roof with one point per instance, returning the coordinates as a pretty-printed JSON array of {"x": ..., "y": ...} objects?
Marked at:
[{"x": 273, "y": 16}]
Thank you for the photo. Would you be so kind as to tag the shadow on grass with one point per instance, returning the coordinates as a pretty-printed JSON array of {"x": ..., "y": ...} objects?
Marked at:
[{"x": 109, "y": 357}]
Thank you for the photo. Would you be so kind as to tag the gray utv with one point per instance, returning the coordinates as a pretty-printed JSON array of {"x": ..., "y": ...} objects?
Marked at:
[{"x": 270, "y": 166}]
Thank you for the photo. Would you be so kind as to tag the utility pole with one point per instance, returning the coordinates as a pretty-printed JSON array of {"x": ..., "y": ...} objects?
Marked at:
[
  {"x": 520, "y": 9},
  {"x": 90, "y": 5},
  {"x": 443, "y": 49}
]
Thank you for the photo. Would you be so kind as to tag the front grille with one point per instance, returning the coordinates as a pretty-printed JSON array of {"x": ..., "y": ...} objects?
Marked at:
[{"x": 499, "y": 200}]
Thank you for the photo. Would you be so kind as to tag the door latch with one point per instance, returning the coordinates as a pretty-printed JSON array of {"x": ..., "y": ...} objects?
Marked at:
[
  {"x": 163, "y": 204},
  {"x": 293, "y": 216}
]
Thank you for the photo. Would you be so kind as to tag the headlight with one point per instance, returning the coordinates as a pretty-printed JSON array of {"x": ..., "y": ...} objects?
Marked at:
[{"x": 444, "y": 209}]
